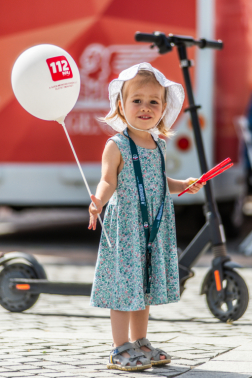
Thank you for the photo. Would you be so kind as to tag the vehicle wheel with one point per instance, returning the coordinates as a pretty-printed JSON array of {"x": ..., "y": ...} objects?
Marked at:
[
  {"x": 236, "y": 298},
  {"x": 10, "y": 299}
]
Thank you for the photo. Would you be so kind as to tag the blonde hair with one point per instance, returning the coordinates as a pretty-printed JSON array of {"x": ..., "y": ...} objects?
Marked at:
[{"x": 146, "y": 77}]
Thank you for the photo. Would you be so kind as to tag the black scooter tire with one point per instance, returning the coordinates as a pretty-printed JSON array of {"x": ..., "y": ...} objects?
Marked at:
[
  {"x": 11, "y": 300},
  {"x": 236, "y": 298}
]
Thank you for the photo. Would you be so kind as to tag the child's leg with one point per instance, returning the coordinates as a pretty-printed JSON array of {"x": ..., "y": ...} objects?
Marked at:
[
  {"x": 138, "y": 326},
  {"x": 120, "y": 326}
]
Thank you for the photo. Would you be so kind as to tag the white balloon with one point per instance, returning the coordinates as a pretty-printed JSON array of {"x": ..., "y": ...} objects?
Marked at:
[{"x": 46, "y": 82}]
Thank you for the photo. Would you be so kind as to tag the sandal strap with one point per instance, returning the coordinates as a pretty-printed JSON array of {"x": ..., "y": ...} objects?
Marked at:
[
  {"x": 122, "y": 348},
  {"x": 136, "y": 355},
  {"x": 143, "y": 342},
  {"x": 154, "y": 353}
]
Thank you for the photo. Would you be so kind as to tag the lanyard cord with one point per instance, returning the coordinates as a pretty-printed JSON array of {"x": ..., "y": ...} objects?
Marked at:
[{"x": 149, "y": 236}]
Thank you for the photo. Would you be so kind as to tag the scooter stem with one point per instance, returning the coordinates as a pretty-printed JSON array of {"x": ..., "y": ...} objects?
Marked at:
[{"x": 217, "y": 234}]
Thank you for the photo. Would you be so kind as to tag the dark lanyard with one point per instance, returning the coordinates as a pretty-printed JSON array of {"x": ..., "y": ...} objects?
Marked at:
[{"x": 150, "y": 236}]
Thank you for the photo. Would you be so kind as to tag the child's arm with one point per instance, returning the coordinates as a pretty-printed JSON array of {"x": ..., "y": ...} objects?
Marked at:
[
  {"x": 111, "y": 159},
  {"x": 177, "y": 186}
]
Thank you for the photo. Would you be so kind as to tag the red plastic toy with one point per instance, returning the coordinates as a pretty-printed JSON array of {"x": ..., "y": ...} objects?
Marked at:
[{"x": 215, "y": 171}]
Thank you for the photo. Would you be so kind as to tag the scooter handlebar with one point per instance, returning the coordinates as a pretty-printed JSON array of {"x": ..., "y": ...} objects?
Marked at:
[
  {"x": 145, "y": 37},
  {"x": 204, "y": 43},
  {"x": 161, "y": 39}
]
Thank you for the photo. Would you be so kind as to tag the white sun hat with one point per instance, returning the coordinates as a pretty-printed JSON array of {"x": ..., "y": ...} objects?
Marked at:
[{"x": 174, "y": 98}]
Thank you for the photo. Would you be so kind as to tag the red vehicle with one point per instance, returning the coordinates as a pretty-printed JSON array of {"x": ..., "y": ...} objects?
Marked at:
[{"x": 37, "y": 167}]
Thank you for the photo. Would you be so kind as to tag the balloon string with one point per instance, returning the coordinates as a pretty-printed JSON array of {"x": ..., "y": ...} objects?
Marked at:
[{"x": 84, "y": 178}]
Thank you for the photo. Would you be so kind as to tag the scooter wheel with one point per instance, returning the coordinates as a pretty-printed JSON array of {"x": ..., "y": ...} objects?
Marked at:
[
  {"x": 12, "y": 300},
  {"x": 236, "y": 296}
]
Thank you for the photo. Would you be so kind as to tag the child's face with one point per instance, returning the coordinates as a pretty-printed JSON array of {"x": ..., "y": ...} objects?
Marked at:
[{"x": 143, "y": 102}]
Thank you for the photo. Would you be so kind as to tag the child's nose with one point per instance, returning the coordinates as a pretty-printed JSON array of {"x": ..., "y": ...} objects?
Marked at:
[{"x": 145, "y": 106}]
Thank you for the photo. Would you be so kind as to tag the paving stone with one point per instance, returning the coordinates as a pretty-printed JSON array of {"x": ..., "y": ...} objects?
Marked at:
[
  {"x": 45, "y": 370},
  {"x": 17, "y": 359},
  {"x": 41, "y": 376},
  {"x": 13, "y": 374},
  {"x": 235, "y": 355},
  {"x": 192, "y": 362},
  {"x": 5, "y": 356},
  {"x": 29, "y": 367},
  {"x": 127, "y": 374},
  {"x": 12, "y": 350},
  {"x": 93, "y": 367},
  {"x": 169, "y": 368},
  {"x": 43, "y": 364},
  {"x": 57, "y": 374},
  {"x": 31, "y": 371},
  {"x": 10, "y": 365},
  {"x": 86, "y": 362},
  {"x": 228, "y": 366},
  {"x": 214, "y": 374},
  {"x": 2, "y": 370}
]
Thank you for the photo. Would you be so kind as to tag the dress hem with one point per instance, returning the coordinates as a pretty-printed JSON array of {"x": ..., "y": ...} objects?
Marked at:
[{"x": 135, "y": 309}]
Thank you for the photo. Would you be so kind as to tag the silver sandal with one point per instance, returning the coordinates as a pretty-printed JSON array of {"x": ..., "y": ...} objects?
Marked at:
[
  {"x": 154, "y": 354},
  {"x": 117, "y": 361}
]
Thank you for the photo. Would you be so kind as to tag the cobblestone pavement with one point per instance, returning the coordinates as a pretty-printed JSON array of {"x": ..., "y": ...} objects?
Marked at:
[{"x": 64, "y": 337}]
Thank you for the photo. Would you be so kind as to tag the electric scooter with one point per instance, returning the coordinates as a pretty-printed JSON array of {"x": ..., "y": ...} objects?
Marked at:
[
  {"x": 226, "y": 291},
  {"x": 22, "y": 278}
]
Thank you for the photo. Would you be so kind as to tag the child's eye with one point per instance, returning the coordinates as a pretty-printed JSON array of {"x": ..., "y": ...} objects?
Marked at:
[
  {"x": 154, "y": 102},
  {"x": 136, "y": 101}
]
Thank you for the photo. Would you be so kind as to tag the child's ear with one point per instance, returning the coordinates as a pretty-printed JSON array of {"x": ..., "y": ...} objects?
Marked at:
[
  {"x": 164, "y": 106},
  {"x": 120, "y": 106}
]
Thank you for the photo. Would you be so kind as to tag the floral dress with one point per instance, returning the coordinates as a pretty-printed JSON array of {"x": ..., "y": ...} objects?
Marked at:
[{"x": 120, "y": 278}]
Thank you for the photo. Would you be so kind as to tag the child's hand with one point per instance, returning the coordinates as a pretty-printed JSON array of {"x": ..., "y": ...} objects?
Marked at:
[
  {"x": 93, "y": 212},
  {"x": 194, "y": 188}
]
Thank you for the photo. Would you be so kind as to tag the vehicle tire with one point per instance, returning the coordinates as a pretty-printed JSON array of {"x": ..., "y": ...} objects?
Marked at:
[
  {"x": 236, "y": 298},
  {"x": 11, "y": 300}
]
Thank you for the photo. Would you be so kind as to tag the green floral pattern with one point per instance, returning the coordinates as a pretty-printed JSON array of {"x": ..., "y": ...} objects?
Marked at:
[{"x": 120, "y": 271}]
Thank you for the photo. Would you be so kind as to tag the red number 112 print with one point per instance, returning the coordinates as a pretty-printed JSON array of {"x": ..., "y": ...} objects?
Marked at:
[{"x": 59, "y": 68}]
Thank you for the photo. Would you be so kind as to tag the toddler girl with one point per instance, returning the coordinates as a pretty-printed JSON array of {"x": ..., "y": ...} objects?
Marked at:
[{"x": 141, "y": 267}]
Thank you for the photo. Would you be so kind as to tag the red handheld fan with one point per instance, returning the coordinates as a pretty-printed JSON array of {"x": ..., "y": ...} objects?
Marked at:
[{"x": 215, "y": 171}]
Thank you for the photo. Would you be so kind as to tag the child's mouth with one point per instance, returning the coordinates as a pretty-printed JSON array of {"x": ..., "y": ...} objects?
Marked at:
[{"x": 144, "y": 117}]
